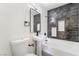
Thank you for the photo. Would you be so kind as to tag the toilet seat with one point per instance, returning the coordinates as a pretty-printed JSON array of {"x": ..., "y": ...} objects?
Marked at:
[{"x": 30, "y": 54}]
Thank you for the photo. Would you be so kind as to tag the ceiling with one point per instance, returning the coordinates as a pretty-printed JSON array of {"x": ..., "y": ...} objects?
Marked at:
[{"x": 49, "y": 6}]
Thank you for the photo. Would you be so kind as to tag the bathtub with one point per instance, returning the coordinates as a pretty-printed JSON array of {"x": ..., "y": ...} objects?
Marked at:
[{"x": 60, "y": 48}]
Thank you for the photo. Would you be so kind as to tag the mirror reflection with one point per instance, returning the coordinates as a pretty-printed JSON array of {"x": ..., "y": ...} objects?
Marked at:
[{"x": 35, "y": 21}]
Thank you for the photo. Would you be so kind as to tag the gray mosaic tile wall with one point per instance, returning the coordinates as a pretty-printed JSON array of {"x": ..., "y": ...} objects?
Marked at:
[{"x": 69, "y": 13}]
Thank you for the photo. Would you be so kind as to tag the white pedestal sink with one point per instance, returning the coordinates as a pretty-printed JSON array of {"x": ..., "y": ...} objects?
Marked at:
[{"x": 39, "y": 40}]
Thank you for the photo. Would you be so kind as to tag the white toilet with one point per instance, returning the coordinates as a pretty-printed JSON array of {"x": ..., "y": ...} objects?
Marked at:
[{"x": 23, "y": 47}]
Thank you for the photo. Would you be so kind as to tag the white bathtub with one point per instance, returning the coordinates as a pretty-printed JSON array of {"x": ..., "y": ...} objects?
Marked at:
[{"x": 61, "y": 47}]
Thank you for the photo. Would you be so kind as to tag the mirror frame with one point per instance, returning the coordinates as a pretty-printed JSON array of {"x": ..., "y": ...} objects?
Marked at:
[{"x": 31, "y": 20}]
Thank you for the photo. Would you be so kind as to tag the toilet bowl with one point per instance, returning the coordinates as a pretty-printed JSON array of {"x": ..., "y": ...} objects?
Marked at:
[{"x": 22, "y": 48}]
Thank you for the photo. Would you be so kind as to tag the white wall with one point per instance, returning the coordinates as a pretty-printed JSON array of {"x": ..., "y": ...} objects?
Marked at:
[
  {"x": 44, "y": 21},
  {"x": 12, "y": 18}
]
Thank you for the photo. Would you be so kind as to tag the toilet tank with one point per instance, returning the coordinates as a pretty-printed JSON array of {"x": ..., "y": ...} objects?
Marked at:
[{"x": 21, "y": 48}]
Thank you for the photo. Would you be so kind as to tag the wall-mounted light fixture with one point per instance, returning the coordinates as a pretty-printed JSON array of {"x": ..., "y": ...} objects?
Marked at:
[{"x": 26, "y": 23}]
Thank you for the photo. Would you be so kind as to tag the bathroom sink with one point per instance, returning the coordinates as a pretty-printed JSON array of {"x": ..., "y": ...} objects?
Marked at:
[
  {"x": 38, "y": 41},
  {"x": 39, "y": 38}
]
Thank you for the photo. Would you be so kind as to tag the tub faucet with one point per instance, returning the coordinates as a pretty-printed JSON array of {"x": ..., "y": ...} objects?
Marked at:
[{"x": 46, "y": 41}]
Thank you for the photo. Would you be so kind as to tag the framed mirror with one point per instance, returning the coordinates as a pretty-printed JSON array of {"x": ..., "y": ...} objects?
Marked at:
[{"x": 35, "y": 21}]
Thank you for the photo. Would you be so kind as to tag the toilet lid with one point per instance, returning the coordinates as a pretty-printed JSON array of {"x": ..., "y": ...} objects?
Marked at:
[{"x": 31, "y": 55}]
